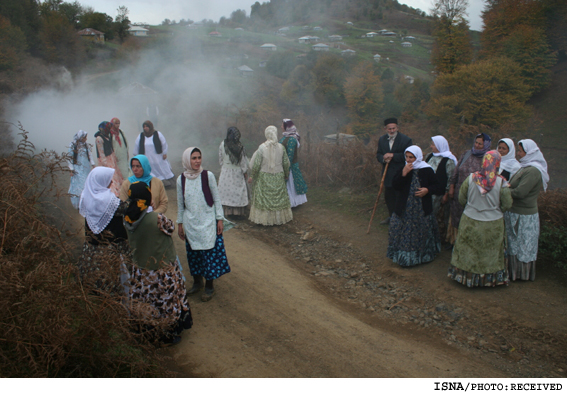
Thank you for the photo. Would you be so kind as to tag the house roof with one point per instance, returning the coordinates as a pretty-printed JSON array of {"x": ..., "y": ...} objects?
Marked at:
[
  {"x": 348, "y": 51},
  {"x": 267, "y": 45},
  {"x": 89, "y": 32},
  {"x": 320, "y": 46},
  {"x": 137, "y": 28},
  {"x": 244, "y": 68}
]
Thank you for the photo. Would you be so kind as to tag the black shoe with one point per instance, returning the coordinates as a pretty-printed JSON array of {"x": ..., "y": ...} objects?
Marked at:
[
  {"x": 197, "y": 285},
  {"x": 208, "y": 294}
]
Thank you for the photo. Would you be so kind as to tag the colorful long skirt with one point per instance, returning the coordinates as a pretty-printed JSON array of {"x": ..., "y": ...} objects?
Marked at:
[
  {"x": 158, "y": 302},
  {"x": 102, "y": 267},
  {"x": 210, "y": 264},
  {"x": 414, "y": 237},
  {"x": 478, "y": 255}
]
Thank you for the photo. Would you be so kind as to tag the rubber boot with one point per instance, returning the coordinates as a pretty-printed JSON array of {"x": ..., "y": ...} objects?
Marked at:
[
  {"x": 209, "y": 291},
  {"x": 197, "y": 284}
]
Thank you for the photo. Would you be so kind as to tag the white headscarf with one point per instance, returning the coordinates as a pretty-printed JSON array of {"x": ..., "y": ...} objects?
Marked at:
[
  {"x": 534, "y": 158},
  {"x": 98, "y": 203},
  {"x": 270, "y": 147},
  {"x": 418, "y": 163},
  {"x": 77, "y": 137},
  {"x": 189, "y": 172},
  {"x": 509, "y": 162},
  {"x": 443, "y": 147}
]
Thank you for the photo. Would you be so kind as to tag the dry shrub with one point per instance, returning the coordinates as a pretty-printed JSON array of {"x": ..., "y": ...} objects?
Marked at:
[
  {"x": 552, "y": 206},
  {"x": 52, "y": 325},
  {"x": 352, "y": 165}
]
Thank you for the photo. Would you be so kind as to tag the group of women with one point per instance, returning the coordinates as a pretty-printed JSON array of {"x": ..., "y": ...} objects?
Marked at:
[
  {"x": 112, "y": 152},
  {"x": 493, "y": 223},
  {"x": 128, "y": 246}
]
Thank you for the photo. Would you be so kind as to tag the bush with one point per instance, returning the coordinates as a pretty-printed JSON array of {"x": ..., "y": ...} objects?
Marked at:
[
  {"x": 553, "y": 218},
  {"x": 53, "y": 325}
]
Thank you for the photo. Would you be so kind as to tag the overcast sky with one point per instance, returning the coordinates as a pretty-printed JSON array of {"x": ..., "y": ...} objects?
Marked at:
[{"x": 154, "y": 12}]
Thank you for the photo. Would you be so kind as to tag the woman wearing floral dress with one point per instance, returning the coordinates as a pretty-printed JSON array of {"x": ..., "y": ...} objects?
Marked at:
[
  {"x": 80, "y": 163},
  {"x": 413, "y": 233},
  {"x": 296, "y": 186},
  {"x": 478, "y": 255},
  {"x": 234, "y": 168},
  {"x": 157, "y": 295},
  {"x": 106, "y": 156},
  {"x": 269, "y": 172},
  {"x": 522, "y": 221},
  {"x": 469, "y": 162},
  {"x": 201, "y": 224}
]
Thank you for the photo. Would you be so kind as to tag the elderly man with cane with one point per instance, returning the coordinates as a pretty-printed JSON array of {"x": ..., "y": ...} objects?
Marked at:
[{"x": 391, "y": 148}]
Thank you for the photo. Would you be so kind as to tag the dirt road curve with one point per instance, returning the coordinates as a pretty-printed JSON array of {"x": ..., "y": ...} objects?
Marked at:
[{"x": 317, "y": 298}]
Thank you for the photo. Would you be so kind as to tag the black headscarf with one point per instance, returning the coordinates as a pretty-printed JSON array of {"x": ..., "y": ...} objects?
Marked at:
[
  {"x": 139, "y": 199},
  {"x": 157, "y": 141},
  {"x": 104, "y": 133},
  {"x": 232, "y": 145}
]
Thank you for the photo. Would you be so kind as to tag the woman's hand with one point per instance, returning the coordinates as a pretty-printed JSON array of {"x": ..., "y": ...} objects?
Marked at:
[
  {"x": 407, "y": 169},
  {"x": 164, "y": 156},
  {"x": 451, "y": 191},
  {"x": 445, "y": 199},
  {"x": 250, "y": 179},
  {"x": 180, "y": 231},
  {"x": 220, "y": 227},
  {"x": 421, "y": 192}
]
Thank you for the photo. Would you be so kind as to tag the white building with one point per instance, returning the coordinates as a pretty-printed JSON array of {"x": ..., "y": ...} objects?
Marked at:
[
  {"x": 245, "y": 71},
  {"x": 138, "y": 31},
  {"x": 348, "y": 52},
  {"x": 350, "y": 23},
  {"x": 406, "y": 44},
  {"x": 409, "y": 79},
  {"x": 388, "y": 33},
  {"x": 371, "y": 34},
  {"x": 409, "y": 38},
  {"x": 269, "y": 47},
  {"x": 335, "y": 37},
  {"x": 377, "y": 58},
  {"x": 308, "y": 39},
  {"x": 320, "y": 47},
  {"x": 318, "y": 28}
]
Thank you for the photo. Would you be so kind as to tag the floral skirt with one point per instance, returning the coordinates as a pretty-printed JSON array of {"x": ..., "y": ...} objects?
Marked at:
[
  {"x": 414, "y": 237},
  {"x": 158, "y": 302},
  {"x": 522, "y": 233},
  {"x": 102, "y": 267},
  {"x": 210, "y": 264}
]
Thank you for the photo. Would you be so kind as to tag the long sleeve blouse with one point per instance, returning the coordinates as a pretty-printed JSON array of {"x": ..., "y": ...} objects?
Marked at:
[
  {"x": 198, "y": 219},
  {"x": 426, "y": 178}
]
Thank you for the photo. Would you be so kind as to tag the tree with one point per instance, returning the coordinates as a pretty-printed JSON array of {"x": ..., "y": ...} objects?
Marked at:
[
  {"x": 12, "y": 45},
  {"x": 238, "y": 17},
  {"x": 72, "y": 11},
  {"x": 24, "y": 14},
  {"x": 490, "y": 92},
  {"x": 452, "y": 46},
  {"x": 122, "y": 23},
  {"x": 298, "y": 89},
  {"x": 60, "y": 42},
  {"x": 364, "y": 97},
  {"x": 330, "y": 74}
]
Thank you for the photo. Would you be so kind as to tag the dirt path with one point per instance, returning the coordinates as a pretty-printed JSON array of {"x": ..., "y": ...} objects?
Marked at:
[{"x": 318, "y": 298}]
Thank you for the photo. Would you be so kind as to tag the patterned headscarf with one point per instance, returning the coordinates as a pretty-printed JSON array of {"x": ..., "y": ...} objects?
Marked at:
[
  {"x": 291, "y": 131},
  {"x": 115, "y": 131},
  {"x": 147, "y": 175},
  {"x": 487, "y": 140},
  {"x": 139, "y": 199},
  {"x": 486, "y": 178},
  {"x": 232, "y": 145},
  {"x": 188, "y": 171}
]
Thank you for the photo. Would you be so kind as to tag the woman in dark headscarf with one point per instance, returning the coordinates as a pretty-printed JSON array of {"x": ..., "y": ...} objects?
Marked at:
[
  {"x": 232, "y": 181},
  {"x": 106, "y": 156},
  {"x": 153, "y": 145},
  {"x": 156, "y": 286},
  {"x": 470, "y": 161},
  {"x": 296, "y": 186}
]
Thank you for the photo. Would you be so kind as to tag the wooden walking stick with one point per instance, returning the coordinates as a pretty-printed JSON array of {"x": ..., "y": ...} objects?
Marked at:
[{"x": 378, "y": 197}]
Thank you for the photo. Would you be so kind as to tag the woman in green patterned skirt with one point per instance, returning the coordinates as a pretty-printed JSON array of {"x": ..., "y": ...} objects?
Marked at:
[{"x": 269, "y": 170}]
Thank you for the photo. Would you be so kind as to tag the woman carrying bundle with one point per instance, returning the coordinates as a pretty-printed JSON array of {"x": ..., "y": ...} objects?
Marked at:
[
  {"x": 478, "y": 255},
  {"x": 413, "y": 233},
  {"x": 142, "y": 171},
  {"x": 157, "y": 292}
]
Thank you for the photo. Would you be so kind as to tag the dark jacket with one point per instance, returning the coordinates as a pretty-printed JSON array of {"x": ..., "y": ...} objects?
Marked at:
[
  {"x": 426, "y": 178},
  {"x": 401, "y": 143}
]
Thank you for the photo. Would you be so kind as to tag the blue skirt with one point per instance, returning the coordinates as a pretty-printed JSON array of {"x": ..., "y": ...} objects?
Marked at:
[{"x": 211, "y": 264}]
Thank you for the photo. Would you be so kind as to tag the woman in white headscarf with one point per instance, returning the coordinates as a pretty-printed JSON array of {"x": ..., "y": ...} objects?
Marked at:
[
  {"x": 106, "y": 241},
  {"x": 201, "y": 223},
  {"x": 269, "y": 172},
  {"x": 413, "y": 233},
  {"x": 80, "y": 163},
  {"x": 522, "y": 221},
  {"x": 509, "y": 165},
  {"x": 443, "y": 163}
]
